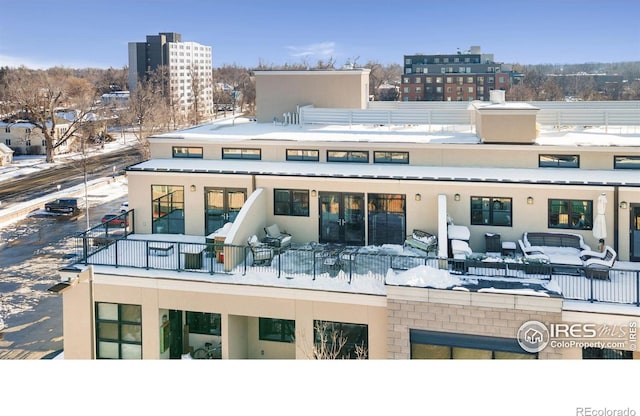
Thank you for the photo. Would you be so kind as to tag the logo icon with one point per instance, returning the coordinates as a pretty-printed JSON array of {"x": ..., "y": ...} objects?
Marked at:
[{"x": 533, "y": 336}]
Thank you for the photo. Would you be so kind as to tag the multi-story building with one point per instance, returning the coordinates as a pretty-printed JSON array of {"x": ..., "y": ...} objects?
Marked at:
[
  {"x": 463, "y": 76},
  {"x": 25, "y": 138},
  {"x": 188, "y": 66},
  {"x": 200, "y": 262}
]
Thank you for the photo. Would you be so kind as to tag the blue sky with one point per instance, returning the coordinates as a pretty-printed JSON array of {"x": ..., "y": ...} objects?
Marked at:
[{"x": 95, "y": 33}]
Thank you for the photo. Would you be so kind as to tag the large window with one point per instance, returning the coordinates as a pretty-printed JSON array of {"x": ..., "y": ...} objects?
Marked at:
[
  {"x": 233, "y": 153},
  {"x": 558, "y": 161},
  {"x": 570, "y": 213},
  {"x": 340, "y": 340},
  {"x": 280, "y": 330},
  {"x": 118, "y": 331},
  {"x": 347, "y": 156},
  {"x": 303, "y": 155},
  {"x": 491, "y": 211},
  {"x": 387, "y": 218},
  {"x": 626, "y": 162},
  {"x": 204, "y": 323},
  {"x": 167, "y": 205},
  {"x": 605, "y": 354},
  {"x": 444, "y": 346},
  {"x": 391, "y": 157},
  {"x": 293, "y": 202},
  {"x": 187, "y": 152}
]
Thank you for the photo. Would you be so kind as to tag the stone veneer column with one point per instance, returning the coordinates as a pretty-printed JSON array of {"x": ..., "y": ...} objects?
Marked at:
[{"x": 463, "y": 312}]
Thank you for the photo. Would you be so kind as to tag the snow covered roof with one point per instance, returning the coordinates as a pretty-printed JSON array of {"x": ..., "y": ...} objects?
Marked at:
[
  {"x": 244, "y": 130},
  {"x": 621, "y": 177}
]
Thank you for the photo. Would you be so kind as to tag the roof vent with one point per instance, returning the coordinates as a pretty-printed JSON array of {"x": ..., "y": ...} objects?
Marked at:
[{"x": 496, "y": 96}]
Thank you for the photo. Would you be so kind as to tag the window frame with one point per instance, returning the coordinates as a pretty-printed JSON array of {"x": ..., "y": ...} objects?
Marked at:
[
  {"x": 349, "y": 347},
  {"x": 348, "y": 155},
  {"x": 593, "y": 353},
  {"x": 303, "y": 157},
  {"x": 204, "y": 323},
  {"x": 571, "y": 216},
  {"x": 559, "y": 161},
  {"x": 244, "y": 153},
  {"x": 494, "y": 201},
  {"x": 381, "y": 156},
  {"x": 468, "y": 341},
  {"x": 101, "y": 324},
  {"x": 633, "y": 164},
  {"x": 166, "y": 199},
  {"x": 291, "y": 203},
  {"x": 277, "y": 330},
  {"x": 186, "y": 152}
]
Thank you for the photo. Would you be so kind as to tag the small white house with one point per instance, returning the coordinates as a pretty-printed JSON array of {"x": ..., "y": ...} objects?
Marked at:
[
  {"x": 25, "y": 138},
  {"x": 6, "y": 156}
]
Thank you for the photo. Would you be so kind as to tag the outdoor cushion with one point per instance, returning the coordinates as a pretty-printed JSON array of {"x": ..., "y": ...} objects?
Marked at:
[
  {"x": 460, "y": 247},
  {"x": 458, "y": 232},
  {"x": 273, "y": 232}
]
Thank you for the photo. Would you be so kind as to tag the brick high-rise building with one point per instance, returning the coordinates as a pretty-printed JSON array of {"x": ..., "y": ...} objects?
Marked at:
[{"x": 463, "y": 76}]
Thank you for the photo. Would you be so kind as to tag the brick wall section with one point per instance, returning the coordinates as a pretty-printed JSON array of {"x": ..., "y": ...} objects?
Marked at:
[{"x": 461, "y": 312}]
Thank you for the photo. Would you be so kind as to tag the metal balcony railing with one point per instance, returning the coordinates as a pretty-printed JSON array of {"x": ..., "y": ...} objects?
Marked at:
[{"x": 615, "y": 285}]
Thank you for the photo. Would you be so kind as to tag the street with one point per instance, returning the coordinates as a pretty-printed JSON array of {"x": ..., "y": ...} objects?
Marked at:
[
  {"x": 35, "y": 249},
  {"x": 37, "y": 184}
]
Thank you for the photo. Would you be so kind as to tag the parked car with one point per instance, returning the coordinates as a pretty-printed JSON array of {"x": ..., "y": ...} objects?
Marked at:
[
  {"x": 69, "y": 205},
  {"x": 124, "y": 207},
  {"x": 115, "y": 220}
]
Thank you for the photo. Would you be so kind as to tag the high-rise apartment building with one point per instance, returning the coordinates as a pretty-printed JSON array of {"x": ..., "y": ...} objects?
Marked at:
[
  {"x": 463, "y": 76},
  {"x": 188, "y": 65}
]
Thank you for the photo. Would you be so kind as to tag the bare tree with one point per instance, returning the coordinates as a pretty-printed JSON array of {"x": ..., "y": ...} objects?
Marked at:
[
  {"x": 330, "y": 63},
  {"x": 550, "y": 91},
  {"x": 330, "y": 342},
  {"x": 240, "y": 81},
  {"x": 520, "y": 92},
  {"x": 382, "y": 75},
  {"x": 39, "y": 95},
  {"x": 147, "y": 111},
  {"x": 197, "y": 91}
]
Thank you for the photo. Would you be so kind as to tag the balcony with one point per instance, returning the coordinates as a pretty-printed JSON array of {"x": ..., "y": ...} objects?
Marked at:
[{"x": 353, "y": 269}]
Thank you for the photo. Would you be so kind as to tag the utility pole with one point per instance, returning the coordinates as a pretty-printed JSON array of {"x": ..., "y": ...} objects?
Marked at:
[
  {"x": 86, "y": 190},
  {"x": 233, "y": 105}
]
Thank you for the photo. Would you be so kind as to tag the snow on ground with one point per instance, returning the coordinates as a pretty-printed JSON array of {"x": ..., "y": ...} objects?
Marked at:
[
  {"x": 24, "y": 283},
  {"x": 27, "y": 164}
]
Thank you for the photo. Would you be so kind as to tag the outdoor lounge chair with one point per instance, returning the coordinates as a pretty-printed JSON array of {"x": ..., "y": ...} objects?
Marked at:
[
  {"x": 598, "y": 266},
  {"x": 532, "y": 253},
  {"x": 591, "y": 254},
  {"x": 262, "y": 254},
  {"x": 276, "y": 238}
]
